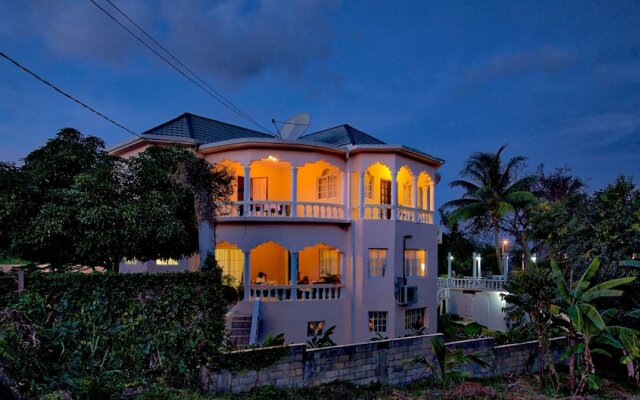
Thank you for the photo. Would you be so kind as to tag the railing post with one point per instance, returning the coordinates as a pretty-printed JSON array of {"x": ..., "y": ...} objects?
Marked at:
[
  {"x": 246, "y": 195},
  {"x": 394, "y": 194},
  {"x": 294, "y": 268},
  {"x": 449, "y": 259},
  {"x": 246, "y": 276},
  {"x": 362, "y": 175},
  {"x": 294, "y": 190}
]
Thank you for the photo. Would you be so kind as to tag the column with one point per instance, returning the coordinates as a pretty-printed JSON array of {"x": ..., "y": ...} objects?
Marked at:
[
  {"x": 473, "y": 263},
  {"x": 414, "y": 198},
  {"x": 479, "y": 267},
  {"x": 294, "y": 268},
  {"x": 294, "y": 190},
  {"x": 505, "y": 262},
  {"x": 362, "y": 183},
  {"x": 394, "y": 194},
  {"x": 247, "y": 189},
  {"x": 449, "y": 260},
  {"x": 343, "y": 268},
  {"x": 345, "y": 198},
  {"x": 246, "y": 275}
]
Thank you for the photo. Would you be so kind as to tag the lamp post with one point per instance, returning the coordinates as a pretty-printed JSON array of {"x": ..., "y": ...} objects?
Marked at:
[
  {"x": 404, "y": 258},
  {"x": 505, "y": 258}
]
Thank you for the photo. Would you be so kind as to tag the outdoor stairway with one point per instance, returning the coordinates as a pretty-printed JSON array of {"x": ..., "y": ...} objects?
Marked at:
[{"x": 240, "y": 330}]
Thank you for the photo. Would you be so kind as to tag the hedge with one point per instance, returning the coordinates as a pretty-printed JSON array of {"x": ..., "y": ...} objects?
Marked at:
[{"x": 97, "y": 334}]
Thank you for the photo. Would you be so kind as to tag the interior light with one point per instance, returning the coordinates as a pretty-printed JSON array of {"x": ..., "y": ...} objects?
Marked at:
[
  {"x": 272, "y": 158},
  {"x": 422, "y": 266}
]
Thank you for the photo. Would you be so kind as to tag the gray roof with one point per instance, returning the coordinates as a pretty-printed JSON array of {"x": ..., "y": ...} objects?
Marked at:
[
  {"x": 203, "y": 129},
  {"x": 342, "y": 135}
]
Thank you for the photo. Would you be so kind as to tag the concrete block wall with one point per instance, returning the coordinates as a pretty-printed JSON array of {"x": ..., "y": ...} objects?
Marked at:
[{"x": 383, "y": 362}]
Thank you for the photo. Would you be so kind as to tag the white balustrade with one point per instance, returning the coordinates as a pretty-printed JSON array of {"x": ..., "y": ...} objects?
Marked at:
[
  {"x": 471, "y": 283},
  {"x": 406, "y": 213},
  {"x": 273, "y": 293},
  {"x": 378, "y": 211},
  {"x": 425, "y": 216}
]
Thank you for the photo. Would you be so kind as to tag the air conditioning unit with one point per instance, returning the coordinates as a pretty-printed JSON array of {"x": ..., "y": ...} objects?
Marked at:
[{"x": 408, "y": 295}]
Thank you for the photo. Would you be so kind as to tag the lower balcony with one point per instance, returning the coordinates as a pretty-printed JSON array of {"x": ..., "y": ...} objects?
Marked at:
[
  {"x": 311, "y": 292},
  {"x": 281, "y": 209},
  {"x": 471, "y": 283}
]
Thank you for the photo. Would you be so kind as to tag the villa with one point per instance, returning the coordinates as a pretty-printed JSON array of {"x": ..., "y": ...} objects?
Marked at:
[{"x": 334, "y": 228}]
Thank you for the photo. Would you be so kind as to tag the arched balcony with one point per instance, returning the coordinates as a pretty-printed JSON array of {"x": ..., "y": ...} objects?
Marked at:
[
  {"x": 273, "y": 188},
  {"x": 272, "y": 272}
]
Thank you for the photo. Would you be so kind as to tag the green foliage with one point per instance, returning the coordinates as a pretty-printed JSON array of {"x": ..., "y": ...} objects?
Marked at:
[
  {"x": 94, "y": 334},
  {"x": 491, "y": 193},
  {"x": 447, "y": 365},
  {"x": 322, "y": 341}
]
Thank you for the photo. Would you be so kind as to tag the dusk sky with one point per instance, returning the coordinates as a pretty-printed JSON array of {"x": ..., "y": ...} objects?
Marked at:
[{"x": 559, "y": 82}]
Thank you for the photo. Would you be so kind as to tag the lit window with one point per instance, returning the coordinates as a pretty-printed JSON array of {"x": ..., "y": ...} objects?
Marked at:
[
  {"x": 428, "y": 198},
  {"x": 420, "y": 199},
  {"x": 328, "y": 262},
  {"x": 406, "y": 194},
  {"x": 231, "y": 261},
  {"x": 314, "y": 328},
  {"x": 368, "y": 187},
  {"x": 414, "y": 319},
  {"x": 415, "y": 263},
  {"x": 377, "y": 262},
  {"x": 166, "y": 261},
  {"x": 327, "y": 185},
  {"x": 377, "y": 321}
]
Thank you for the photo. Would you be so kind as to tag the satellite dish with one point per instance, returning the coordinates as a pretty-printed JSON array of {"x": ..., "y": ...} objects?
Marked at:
[{"x": 294, "y": 126}]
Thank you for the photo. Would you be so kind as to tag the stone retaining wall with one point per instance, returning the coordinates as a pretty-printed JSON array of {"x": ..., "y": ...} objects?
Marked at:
[{"x": 383, "y": 362}]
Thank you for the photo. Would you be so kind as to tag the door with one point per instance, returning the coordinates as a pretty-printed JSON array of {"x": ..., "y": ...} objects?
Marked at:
[{"x": 385, "y": 198}]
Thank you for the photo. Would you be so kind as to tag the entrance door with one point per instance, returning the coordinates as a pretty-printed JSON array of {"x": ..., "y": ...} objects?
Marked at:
[{"x": 385, "y": 198}]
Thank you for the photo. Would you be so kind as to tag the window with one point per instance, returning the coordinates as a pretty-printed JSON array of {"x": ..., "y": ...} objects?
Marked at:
[
  {"x": 414, "y": 319},
  {"x": 406, "y": 194},
  {"x": 327, "y": 184},
  {"x": 368, "y": 186},
  {"x": 377, "y": 262},
  {"x": 377, "y": 321},
  {"x": 415, "y": 263},
  {"x": 314, "y": 328},
  {"x": 166, "y": 261},
  {"x": 232, "y": 263},
  {"x": 328, "y": 262},
  {"x": 259, "y": 189},
  {"x": 428, "y": 198},
  {"x": 420, "y": 199}
]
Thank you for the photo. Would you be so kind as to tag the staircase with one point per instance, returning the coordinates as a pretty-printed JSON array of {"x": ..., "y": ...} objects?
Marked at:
[{"x": 240, "y": 330}]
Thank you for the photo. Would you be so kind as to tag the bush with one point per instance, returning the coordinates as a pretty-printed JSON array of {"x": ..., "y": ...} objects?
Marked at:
[{"x": 98, "y": 333}]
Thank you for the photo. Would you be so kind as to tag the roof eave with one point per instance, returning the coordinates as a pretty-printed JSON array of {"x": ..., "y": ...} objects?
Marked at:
[
  {"x": 381, "y": 148},
  {"x": 152, "y": 139},
  {"x": 268, "y": 142}
]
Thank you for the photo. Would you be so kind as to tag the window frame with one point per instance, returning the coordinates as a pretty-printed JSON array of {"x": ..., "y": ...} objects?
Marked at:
[
  {"x": 334, "y": 262},
  {"x": 416, "y": 315},
  {"x": 315, "y": 328},
  {"x": 377, "y": 321},
  {"x": 382, "y": 268},
  {"x": 413, "y": 265},
  {"x": 327, "y": 185}
]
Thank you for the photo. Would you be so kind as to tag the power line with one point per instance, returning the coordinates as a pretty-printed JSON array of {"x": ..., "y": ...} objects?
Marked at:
[
  {"x": 65, "y": 94},
  {"x": 206, "y": 88}
]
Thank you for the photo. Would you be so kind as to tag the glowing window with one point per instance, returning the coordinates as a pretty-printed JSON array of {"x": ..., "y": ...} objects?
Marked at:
[
  {"x": 406, "y": 194},
  {"x": 232, "y": 263},
  {"x": 328, "y": 262},
  {"x": 327, "y": 185},
  {"x": 166, "y": 261},
  {"x": 314, "y": 328},
  {"x": 377, "y": 262},
  {"x": 368, "y": 186},
  {"x": 415, "y": 262},
  {"x": 414, "y": 319}
]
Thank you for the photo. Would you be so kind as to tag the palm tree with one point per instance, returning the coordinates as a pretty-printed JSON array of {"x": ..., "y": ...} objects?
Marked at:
[{"x": 492, "y": 191}]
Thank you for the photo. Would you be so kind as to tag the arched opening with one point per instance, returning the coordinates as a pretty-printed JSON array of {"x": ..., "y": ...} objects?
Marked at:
[
  {"x": 272, "y": 262},
  {"x": 319, "y": 264},
  {"x": 425, "y": 192},
  {"x": 270, "y": 180},
  {"x": 231, "y": 260},
  {"x": 377, "y": 191},
  {"x": 320, "y": 182},
  {"x": 405, "y": 187}
]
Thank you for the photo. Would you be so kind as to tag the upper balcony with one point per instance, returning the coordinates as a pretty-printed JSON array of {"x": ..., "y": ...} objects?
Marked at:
[{"x": 276, "y": 190}]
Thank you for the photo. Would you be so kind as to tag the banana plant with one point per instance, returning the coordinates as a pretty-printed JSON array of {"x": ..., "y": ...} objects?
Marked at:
[{"x": 575, "y": 310}]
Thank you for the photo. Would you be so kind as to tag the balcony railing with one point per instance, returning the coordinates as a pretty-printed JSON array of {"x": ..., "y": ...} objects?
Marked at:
[
  {"x": 314, "y": 210},
  {"x": 296, "y": 293},
  {"x": 471, "y": 283}
]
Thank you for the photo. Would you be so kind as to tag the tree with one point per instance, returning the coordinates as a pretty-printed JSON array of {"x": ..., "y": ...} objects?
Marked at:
[
  {"x": 582, "y": 320},
  {"x": 460, "y": 244},
  {"x": 448, "y": 363},
  {"x": 494, "y": 188},
  {"x": 529, "y": 297}
]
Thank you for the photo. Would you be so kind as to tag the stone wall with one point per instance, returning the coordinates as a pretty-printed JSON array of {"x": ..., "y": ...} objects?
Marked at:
[{"x": 383, "y": 361}]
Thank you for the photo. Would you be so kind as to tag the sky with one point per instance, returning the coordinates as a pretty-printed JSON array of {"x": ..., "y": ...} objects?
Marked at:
[{"x": 558, "y": 82}]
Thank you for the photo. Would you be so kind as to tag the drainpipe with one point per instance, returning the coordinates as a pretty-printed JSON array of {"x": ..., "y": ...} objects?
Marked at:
[{"x": 404, "y": 260}]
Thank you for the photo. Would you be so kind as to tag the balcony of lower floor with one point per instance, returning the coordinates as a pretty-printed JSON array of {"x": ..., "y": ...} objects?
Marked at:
[
  {"x": 272, "y": 273},
  {"x": 470, "y": 283}
]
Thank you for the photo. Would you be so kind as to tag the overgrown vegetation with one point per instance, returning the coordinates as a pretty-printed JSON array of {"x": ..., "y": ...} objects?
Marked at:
[{"x": 98, "y": 334}]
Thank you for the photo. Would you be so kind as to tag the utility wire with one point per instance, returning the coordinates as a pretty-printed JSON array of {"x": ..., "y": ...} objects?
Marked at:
[
  {"x": 65, "y": 94},
  {"x": 203, "y": 85}
]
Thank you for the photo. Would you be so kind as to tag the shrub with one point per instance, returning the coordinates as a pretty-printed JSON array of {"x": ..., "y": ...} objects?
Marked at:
[{"x": 94, "y": 334}]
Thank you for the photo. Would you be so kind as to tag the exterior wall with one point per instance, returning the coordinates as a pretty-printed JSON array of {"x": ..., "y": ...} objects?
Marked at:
[
  {"x": 484, "y": 307},
  {"x": 382, "y": 362}
]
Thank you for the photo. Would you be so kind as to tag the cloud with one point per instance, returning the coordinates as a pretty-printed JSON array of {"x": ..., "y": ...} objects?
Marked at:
[
  {"x": 611, "y": 132},
  {"x": 230, "y": 39},
  {"x": 546, "y": 59}
]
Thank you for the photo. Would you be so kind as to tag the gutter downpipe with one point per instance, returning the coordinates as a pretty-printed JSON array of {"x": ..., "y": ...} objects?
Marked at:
[{"x": 353, "y": 251}]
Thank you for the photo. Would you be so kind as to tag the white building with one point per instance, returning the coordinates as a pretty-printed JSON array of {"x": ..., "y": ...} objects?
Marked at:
[{"x": 330, "y": 218}]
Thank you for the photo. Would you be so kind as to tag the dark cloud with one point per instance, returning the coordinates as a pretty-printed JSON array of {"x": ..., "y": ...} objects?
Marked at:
[
  {"x": 230, "y": 39},
  {"x": 613, "y": 132},
  {"x": 545, "y": 59}
]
